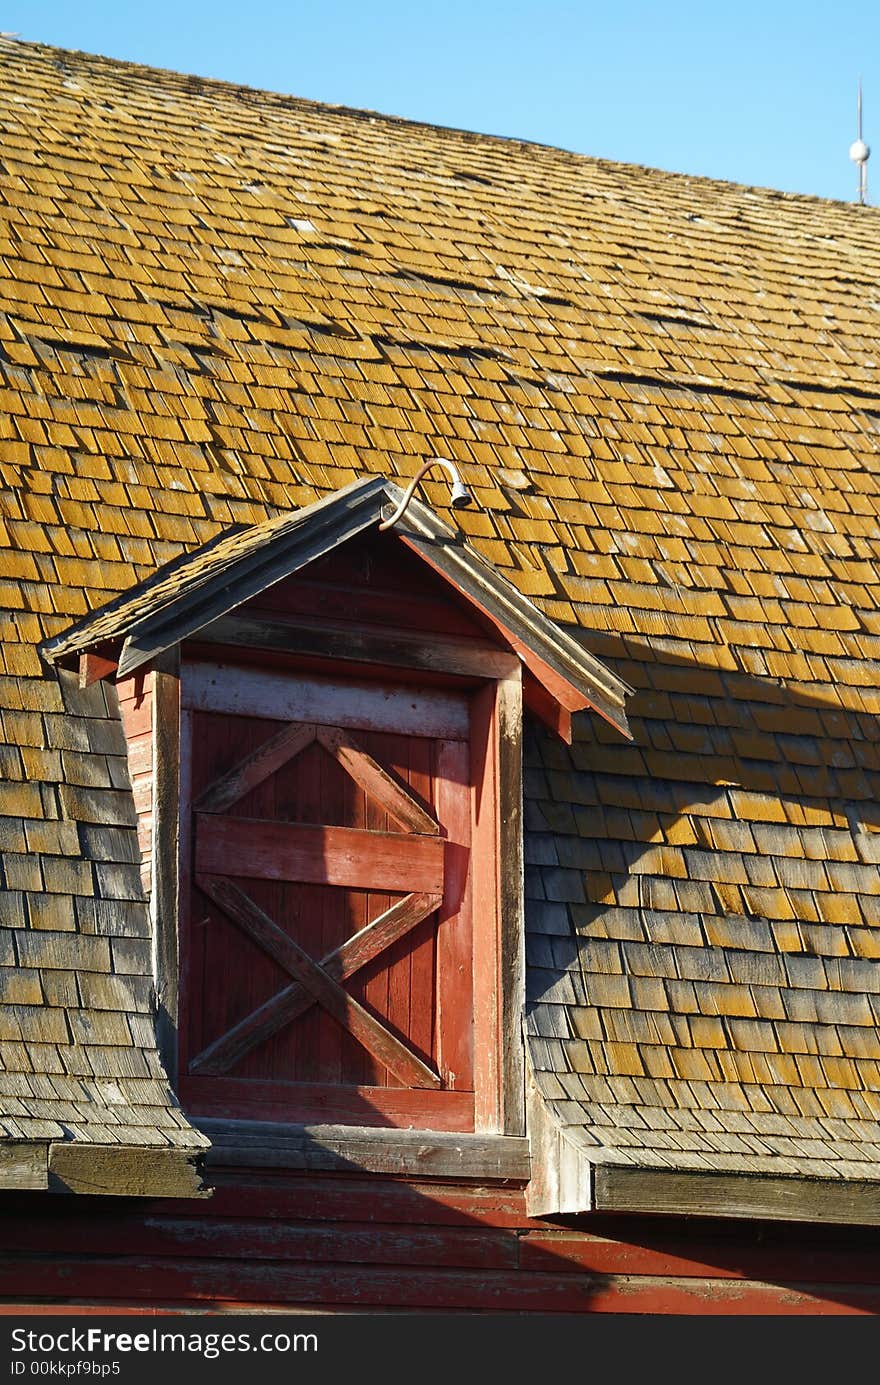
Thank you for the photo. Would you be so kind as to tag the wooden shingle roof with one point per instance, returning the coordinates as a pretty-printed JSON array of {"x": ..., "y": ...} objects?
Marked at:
[{"x": 219, "y": 305}]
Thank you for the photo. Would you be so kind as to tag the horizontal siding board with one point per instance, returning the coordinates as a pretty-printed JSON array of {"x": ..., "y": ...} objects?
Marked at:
[
  {"x": 200, "y": 1238},
  {"x": 274, "y": 1282},
  {"x": 697, "y": 1258}
]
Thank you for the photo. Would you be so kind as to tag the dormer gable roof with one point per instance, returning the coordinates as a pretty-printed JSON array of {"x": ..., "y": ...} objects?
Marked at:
[{"x": 183, "y": 598}]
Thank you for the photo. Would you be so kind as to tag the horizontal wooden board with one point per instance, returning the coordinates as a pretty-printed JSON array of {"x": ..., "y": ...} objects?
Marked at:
[
  {"x": 213, "y": 687},
  {"x": 418, "y": 1199},
  {"x": 352, "y": 857},
  {"x": 273, "y": 1281},
  {"x": 667, "y": 1254},
  {"x": 126, "y": 1171},
  {"x": 227, "y": 1282},
  {"x": 731, "y": 1195},
  {"x": 24, "y": 1164},
  {"x": 468, "y": 658},
  {"x": 194, "y": 1238},
  {"x": 317, "y": 1103},
  {"x": 402, "y": 1152}
]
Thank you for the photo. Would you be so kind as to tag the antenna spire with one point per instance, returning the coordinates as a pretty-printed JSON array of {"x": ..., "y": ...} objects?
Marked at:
[{"x": 860, "y": 153}]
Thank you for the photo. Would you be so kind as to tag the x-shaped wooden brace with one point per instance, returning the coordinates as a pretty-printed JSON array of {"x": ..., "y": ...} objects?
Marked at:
[
  {"x": 316, "y": 982},
  {"x": 313, "y": 981}
]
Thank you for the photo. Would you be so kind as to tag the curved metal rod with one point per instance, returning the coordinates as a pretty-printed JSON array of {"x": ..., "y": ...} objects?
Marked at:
[{"x": 461, "y": 496}]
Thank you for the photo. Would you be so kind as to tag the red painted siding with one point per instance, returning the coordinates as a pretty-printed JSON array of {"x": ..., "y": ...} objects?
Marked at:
[{"x": 346, "y": 1241}]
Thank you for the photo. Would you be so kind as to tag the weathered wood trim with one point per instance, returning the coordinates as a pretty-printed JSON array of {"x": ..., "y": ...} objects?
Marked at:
[
  {"x": 308, "y": 535},
  {"x": 297, "y": 540},
  {"x": 281, "y": 696},
  {"x": 165, "y": 893},
  {"x": 24, "y": 1165},
  {"x": 337, "y": 1148},
  {"x": 126, "y": 1170},
  {"x": 546, "y": 648},
  {"x": 338, "y": 640},
  {"x": 562, "y": 1177},
  {"x": 670, "y": 1192},
  {"x": 508, "y": 719},
  {"x": 486, "y": 907}
]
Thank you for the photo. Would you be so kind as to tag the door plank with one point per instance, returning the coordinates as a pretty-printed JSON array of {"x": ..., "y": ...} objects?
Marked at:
[
  {"x": 346, "y": 856},
  {"x": 253, "y": 769},
  {"x": 373, "y": 1035},
  {"x": 281, "y": 1009}
]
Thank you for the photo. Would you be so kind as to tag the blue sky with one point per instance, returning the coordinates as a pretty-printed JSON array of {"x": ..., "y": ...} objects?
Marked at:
[{"x": 761, "y": 93}]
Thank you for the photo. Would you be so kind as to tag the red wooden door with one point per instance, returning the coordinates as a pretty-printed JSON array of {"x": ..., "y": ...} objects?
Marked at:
[{"x": 326, "y": 930}]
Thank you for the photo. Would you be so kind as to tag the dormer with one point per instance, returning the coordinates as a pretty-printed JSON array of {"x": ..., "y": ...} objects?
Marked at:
[{"x": 324, "y": 725}]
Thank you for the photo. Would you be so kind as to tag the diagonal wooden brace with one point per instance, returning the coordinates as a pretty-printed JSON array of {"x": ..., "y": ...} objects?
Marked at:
[
  {"x": 348, "y": 1012},
  {"x": 281, "y": 1009},
  {"x": 255, "y": 768}
]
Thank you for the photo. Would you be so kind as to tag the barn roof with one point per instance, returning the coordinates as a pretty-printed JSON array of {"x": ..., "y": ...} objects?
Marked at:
[{"x": 220, "y": 305}]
